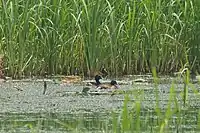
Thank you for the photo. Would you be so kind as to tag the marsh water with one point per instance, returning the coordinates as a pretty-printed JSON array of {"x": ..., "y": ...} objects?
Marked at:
[{"x": 24, "y": 107}]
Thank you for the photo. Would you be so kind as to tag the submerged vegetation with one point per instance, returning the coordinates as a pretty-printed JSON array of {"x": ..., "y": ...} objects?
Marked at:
[{"x": 126, "y": 37}]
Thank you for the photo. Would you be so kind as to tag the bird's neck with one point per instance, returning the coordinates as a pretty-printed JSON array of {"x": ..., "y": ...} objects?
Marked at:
[{"x": 98, "y": 82}]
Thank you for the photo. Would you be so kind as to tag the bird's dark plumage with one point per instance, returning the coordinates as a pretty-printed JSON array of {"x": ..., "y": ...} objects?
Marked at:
[{"x": 97, "y": 82}]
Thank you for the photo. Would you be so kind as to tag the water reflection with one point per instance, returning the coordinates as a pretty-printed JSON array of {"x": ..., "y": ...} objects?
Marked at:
[
  {"x": 54, "y": 122},
  {"x": 92, "y": 122}
]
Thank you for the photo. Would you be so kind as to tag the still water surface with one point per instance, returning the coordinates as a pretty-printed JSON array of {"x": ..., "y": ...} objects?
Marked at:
[{"x": 61, "y": 110}]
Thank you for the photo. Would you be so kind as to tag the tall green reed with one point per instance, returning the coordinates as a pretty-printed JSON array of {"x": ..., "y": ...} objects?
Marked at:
[{"x": 126, "y": 37}]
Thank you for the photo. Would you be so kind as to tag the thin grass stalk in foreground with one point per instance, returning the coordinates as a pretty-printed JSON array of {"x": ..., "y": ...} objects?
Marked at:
[
  {"x": 125, "y": 115},
  {"x": 186, "y": 83},
  {"x": 115, "y": 126},
  {"x": 158, "y": 110},
  {"x": 169, "y": 112},
  {"x": 138, "y": 113},
  {"x": 198, "y": 122}
]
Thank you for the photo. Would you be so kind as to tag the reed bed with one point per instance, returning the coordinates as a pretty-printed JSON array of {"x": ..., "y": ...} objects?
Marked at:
[{"x": 126, "y": 37}]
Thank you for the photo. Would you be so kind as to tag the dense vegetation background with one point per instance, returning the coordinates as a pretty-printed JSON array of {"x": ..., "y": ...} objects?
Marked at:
[{"x": 124, "y": 36}]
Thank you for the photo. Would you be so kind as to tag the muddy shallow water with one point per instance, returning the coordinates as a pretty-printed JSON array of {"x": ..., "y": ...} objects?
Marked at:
[
  {"x": 28, "y": 97},
  {"x": 25, "y": 102}
]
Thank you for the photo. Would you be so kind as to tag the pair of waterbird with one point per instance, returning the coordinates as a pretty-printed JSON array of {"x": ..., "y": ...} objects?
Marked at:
[{"x": 112, "y": 85}]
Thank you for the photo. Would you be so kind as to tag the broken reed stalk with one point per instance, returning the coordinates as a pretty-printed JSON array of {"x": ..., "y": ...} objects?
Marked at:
[
  {"x": 45, "y": 87},
  {"x": 45, "y": 83},
  {"x": 2, "y": 67}
]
